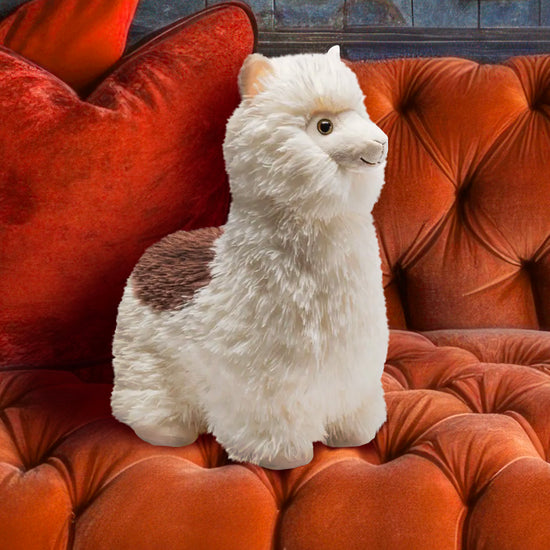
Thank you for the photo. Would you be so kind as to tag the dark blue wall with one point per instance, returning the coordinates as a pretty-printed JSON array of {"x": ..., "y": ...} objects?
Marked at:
[
  {"x": 481, "y": 29},
  {"x": 346, "y": 14},
  {"x": 484, "y": 30}
]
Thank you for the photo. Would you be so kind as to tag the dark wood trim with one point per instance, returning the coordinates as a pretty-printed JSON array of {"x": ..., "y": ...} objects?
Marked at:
[{"x": 483, "y": 45}]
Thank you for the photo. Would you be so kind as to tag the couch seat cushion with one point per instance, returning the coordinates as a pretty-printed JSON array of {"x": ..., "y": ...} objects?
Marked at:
[{"x": 462, "y": 462}]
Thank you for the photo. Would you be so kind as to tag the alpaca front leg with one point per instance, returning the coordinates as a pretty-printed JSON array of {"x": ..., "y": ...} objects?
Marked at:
[{"x": 359, "y": 426}]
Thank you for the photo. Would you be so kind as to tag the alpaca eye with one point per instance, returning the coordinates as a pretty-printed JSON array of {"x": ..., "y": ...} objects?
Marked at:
[{"x": 324, "y": 126}]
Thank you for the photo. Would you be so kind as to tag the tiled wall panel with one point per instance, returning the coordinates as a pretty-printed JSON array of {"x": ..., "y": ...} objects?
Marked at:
[
  {"x": 155, "y": 14},
  {"x": 322, "y": 14},
  {"x": 509, "y": 13},
  {"x": 391, "y": 13},
  {"x": 445, "y": 13},
  {"x": 374, "y": 28},
  {"x": 342, "y": 14}
]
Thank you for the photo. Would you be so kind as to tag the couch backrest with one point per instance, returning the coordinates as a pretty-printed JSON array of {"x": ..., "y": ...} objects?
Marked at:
[{"x": 464, "y": 217}]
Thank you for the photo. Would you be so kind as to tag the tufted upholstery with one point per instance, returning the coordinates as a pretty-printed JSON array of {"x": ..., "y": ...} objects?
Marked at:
[
  {"x": 462, "y": 461},
  {"x": 464, "y": 223}
]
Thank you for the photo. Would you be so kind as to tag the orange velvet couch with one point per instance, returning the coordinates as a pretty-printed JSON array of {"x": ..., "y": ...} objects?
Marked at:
[{"x": 464, "y": 230}]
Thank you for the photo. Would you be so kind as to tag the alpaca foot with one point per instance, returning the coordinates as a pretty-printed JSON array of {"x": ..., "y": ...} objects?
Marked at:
[
  {"x": 282, "y": 462},
  {"x": 348, "y": 440},
  {"x": 171, "y": 435},
  {"x": 359, "y": 428}
]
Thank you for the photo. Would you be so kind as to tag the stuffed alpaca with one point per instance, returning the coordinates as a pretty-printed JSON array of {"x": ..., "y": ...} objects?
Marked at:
[{"x": 269, "y": 332}]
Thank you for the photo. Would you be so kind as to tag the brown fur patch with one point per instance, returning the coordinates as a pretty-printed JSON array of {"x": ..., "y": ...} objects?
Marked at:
[{"x": 172, "y": 270}]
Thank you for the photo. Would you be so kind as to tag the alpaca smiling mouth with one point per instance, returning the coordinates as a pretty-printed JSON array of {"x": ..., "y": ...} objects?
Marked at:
[{"x": 369, "y": 163}]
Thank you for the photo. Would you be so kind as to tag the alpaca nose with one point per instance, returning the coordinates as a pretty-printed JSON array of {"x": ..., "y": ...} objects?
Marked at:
[{"x": 375, "y": 152}]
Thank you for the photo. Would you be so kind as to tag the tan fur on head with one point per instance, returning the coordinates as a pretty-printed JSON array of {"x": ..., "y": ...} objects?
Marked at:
[{"x": 253, "y": 72}]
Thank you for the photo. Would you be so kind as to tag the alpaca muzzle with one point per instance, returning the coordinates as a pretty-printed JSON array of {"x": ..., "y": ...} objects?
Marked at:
[{"x": 375, "y": 152}]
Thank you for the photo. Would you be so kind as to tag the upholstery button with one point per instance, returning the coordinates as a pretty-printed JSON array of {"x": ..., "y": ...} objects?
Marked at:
[
  {"x": 536, "y": 103},
  {"x": 462, "y": 198},
  {"x": 528, "y": 265},
  {"x": 405, "y": 105},
  {"x": 407, "y": 100},
  {"x": 463, "y": 190}
]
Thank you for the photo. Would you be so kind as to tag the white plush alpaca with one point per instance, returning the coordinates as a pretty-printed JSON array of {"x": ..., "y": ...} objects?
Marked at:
[{"x": 269, "y": 332}]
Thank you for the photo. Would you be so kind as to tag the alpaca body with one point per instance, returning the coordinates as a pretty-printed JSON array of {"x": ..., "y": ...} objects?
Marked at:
[
  {"x": 283, "y": 343},
  {"x": 316, "y": 355}
]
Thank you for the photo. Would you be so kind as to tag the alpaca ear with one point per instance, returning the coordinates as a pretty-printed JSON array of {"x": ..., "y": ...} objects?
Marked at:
[
  {"x": 252, "y": 75},
  {"x": 334, "y": 52}
]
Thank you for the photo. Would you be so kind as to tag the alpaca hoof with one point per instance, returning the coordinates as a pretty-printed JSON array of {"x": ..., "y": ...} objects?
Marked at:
[
  {"x": 356, "y": 434},
  {"x": 354, "y": 439},
  {"x": 166, "y": 436},
  {"x": 281, "y": 462},
  {"x": 349, "y": 441}
]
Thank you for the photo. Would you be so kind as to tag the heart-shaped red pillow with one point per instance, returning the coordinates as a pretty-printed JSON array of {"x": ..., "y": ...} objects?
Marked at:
[{"x": 86, "y": 186}]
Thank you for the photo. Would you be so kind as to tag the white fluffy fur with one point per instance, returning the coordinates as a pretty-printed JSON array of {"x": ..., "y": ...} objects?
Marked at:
[{"x": 286, "y": 345}]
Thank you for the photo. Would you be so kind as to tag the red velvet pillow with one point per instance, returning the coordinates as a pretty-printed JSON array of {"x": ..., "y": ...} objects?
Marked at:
[
  {"x": 77, "y": 40},
  {"x": 86, "y": 186}
]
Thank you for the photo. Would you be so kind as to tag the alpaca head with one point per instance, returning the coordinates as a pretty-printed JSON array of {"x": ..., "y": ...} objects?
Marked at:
[{"x": 302, "y": 138}]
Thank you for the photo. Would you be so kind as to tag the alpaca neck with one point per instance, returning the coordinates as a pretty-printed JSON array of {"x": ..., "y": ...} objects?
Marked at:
[
  {"x": 313, "y": 280},
  {"x": 281, "y": 233}
]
